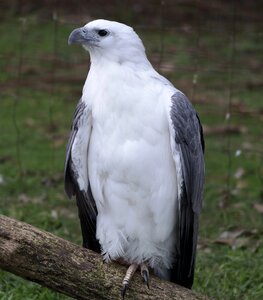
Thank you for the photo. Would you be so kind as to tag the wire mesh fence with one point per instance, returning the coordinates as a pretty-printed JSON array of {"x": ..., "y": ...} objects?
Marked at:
[{"x": 219, "y": 68}]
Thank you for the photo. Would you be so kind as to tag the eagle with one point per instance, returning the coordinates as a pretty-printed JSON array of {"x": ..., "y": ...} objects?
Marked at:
[{"x": 134, "y": 159}]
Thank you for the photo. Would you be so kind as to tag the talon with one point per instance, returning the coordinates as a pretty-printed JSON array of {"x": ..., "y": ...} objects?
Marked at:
[
  {"x": 124, "y": 289},
  {"x": 145, "y": 274},
  {"x": 131, "y": 270}
]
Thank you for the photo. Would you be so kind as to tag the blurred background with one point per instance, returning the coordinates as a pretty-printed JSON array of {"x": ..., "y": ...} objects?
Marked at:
[{"x": 211, "y": 50}]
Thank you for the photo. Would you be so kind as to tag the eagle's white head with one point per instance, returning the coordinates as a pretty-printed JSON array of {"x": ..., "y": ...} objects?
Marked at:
[{"x": 113, "y": 41}]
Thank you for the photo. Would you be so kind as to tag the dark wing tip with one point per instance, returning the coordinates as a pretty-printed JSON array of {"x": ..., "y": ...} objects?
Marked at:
[
  {"x": 182, "y": 272},
  {"x": 69, "y": 182}
]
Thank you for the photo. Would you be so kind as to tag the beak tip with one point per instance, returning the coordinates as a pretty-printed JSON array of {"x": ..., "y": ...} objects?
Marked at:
[{"x": 75, "y": 36}]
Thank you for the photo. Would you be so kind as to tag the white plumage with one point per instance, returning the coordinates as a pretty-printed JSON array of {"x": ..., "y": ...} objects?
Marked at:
[{"x": 124, "y": 147}]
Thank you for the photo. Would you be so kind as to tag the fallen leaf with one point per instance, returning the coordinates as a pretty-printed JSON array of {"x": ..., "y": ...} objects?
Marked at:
[
  {"x": 231, "y": 234},
  {"x": 240, "y": 238},
  {"x": 239, "y": 173},
  {"x": 226, "y": 241},
  {"x": 258, "y": 207},
  {"x": 229, "y": 237},
  {"x": 29, "y": 122},
  {"x": 207, "y": 250},
  {"x": 23, "y": 198},
  {"x": 54, "y": 214},
  {"x": 241, "y": 184}
]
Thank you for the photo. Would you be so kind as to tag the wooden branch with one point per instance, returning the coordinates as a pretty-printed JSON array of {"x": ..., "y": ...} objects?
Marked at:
[{"x": 53, "y": 262}]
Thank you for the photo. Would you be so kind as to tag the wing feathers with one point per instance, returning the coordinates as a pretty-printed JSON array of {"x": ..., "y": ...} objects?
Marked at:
[
  {"x": 188, "y": 136},
  {"x": 69, "y": 184},
  {"x": 72, "y": 173}
]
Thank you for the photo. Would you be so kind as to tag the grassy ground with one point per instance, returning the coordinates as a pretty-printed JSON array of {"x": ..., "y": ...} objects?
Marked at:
[{"x": 40, "y": 86}]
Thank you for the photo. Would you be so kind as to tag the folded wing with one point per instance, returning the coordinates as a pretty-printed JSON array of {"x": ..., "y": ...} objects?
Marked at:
[
  {"x": 76, "y": 174},
  {"x": 187, "y": 144}
]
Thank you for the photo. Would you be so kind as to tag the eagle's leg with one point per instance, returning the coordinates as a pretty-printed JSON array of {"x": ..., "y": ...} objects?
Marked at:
[
  {"x": 131, "y": 270},
  {"x": 145, "y": 273}
]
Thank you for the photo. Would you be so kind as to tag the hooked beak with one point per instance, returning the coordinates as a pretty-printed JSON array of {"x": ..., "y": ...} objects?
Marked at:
[{"x": 81, "y": 35}]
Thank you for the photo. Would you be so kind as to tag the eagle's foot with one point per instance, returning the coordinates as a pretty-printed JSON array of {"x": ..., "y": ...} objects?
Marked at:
[
  {"x": 131, "y": 270},
  {"x": 145, "y": 274},
  {"x": 125, "y": 283}
]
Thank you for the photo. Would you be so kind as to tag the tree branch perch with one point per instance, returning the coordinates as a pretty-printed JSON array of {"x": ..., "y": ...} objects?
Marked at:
[{"x": 60, "y": 265}]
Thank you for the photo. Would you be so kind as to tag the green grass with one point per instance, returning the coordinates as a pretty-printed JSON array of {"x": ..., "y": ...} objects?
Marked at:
[{"x": 32, "y": 158}]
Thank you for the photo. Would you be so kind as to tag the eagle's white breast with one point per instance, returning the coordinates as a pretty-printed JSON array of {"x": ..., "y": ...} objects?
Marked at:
[{"x": 130, "y": 164}]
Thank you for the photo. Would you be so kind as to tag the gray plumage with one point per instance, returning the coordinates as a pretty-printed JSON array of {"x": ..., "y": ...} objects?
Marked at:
[
  {"x": 190, "y": 143},
  {"x": 85, "y": 201}
]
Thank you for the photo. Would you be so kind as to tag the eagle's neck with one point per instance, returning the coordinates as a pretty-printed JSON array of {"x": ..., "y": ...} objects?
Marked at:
[{"x": 135, "y": 58}]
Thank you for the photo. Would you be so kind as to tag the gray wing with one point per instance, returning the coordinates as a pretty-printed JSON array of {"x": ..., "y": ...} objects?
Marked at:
[
  {"x": 189, "y": 146},
  {"x": 75, "y": 169}
]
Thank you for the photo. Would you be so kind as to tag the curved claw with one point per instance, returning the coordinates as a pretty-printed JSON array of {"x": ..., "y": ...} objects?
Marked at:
[
  {"x": 145, "y": 275},
  {"x": 131, "y": 270},
  {"x": 124, "y": 289}
]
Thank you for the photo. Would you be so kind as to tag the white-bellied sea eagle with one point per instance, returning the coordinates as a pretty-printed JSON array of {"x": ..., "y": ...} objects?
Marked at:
[{"x": 135, "y": 159}]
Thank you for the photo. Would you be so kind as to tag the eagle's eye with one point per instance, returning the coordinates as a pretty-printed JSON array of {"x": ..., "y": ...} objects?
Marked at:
[{"x": 103, "y": 32}]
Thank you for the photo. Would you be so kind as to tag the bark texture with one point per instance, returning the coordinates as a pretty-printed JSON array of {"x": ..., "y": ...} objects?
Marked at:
[{"x": 62, "y": 266}]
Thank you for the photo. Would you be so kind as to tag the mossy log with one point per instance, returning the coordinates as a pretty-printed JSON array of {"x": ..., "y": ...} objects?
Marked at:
[{"x": 62, "y": 266}]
